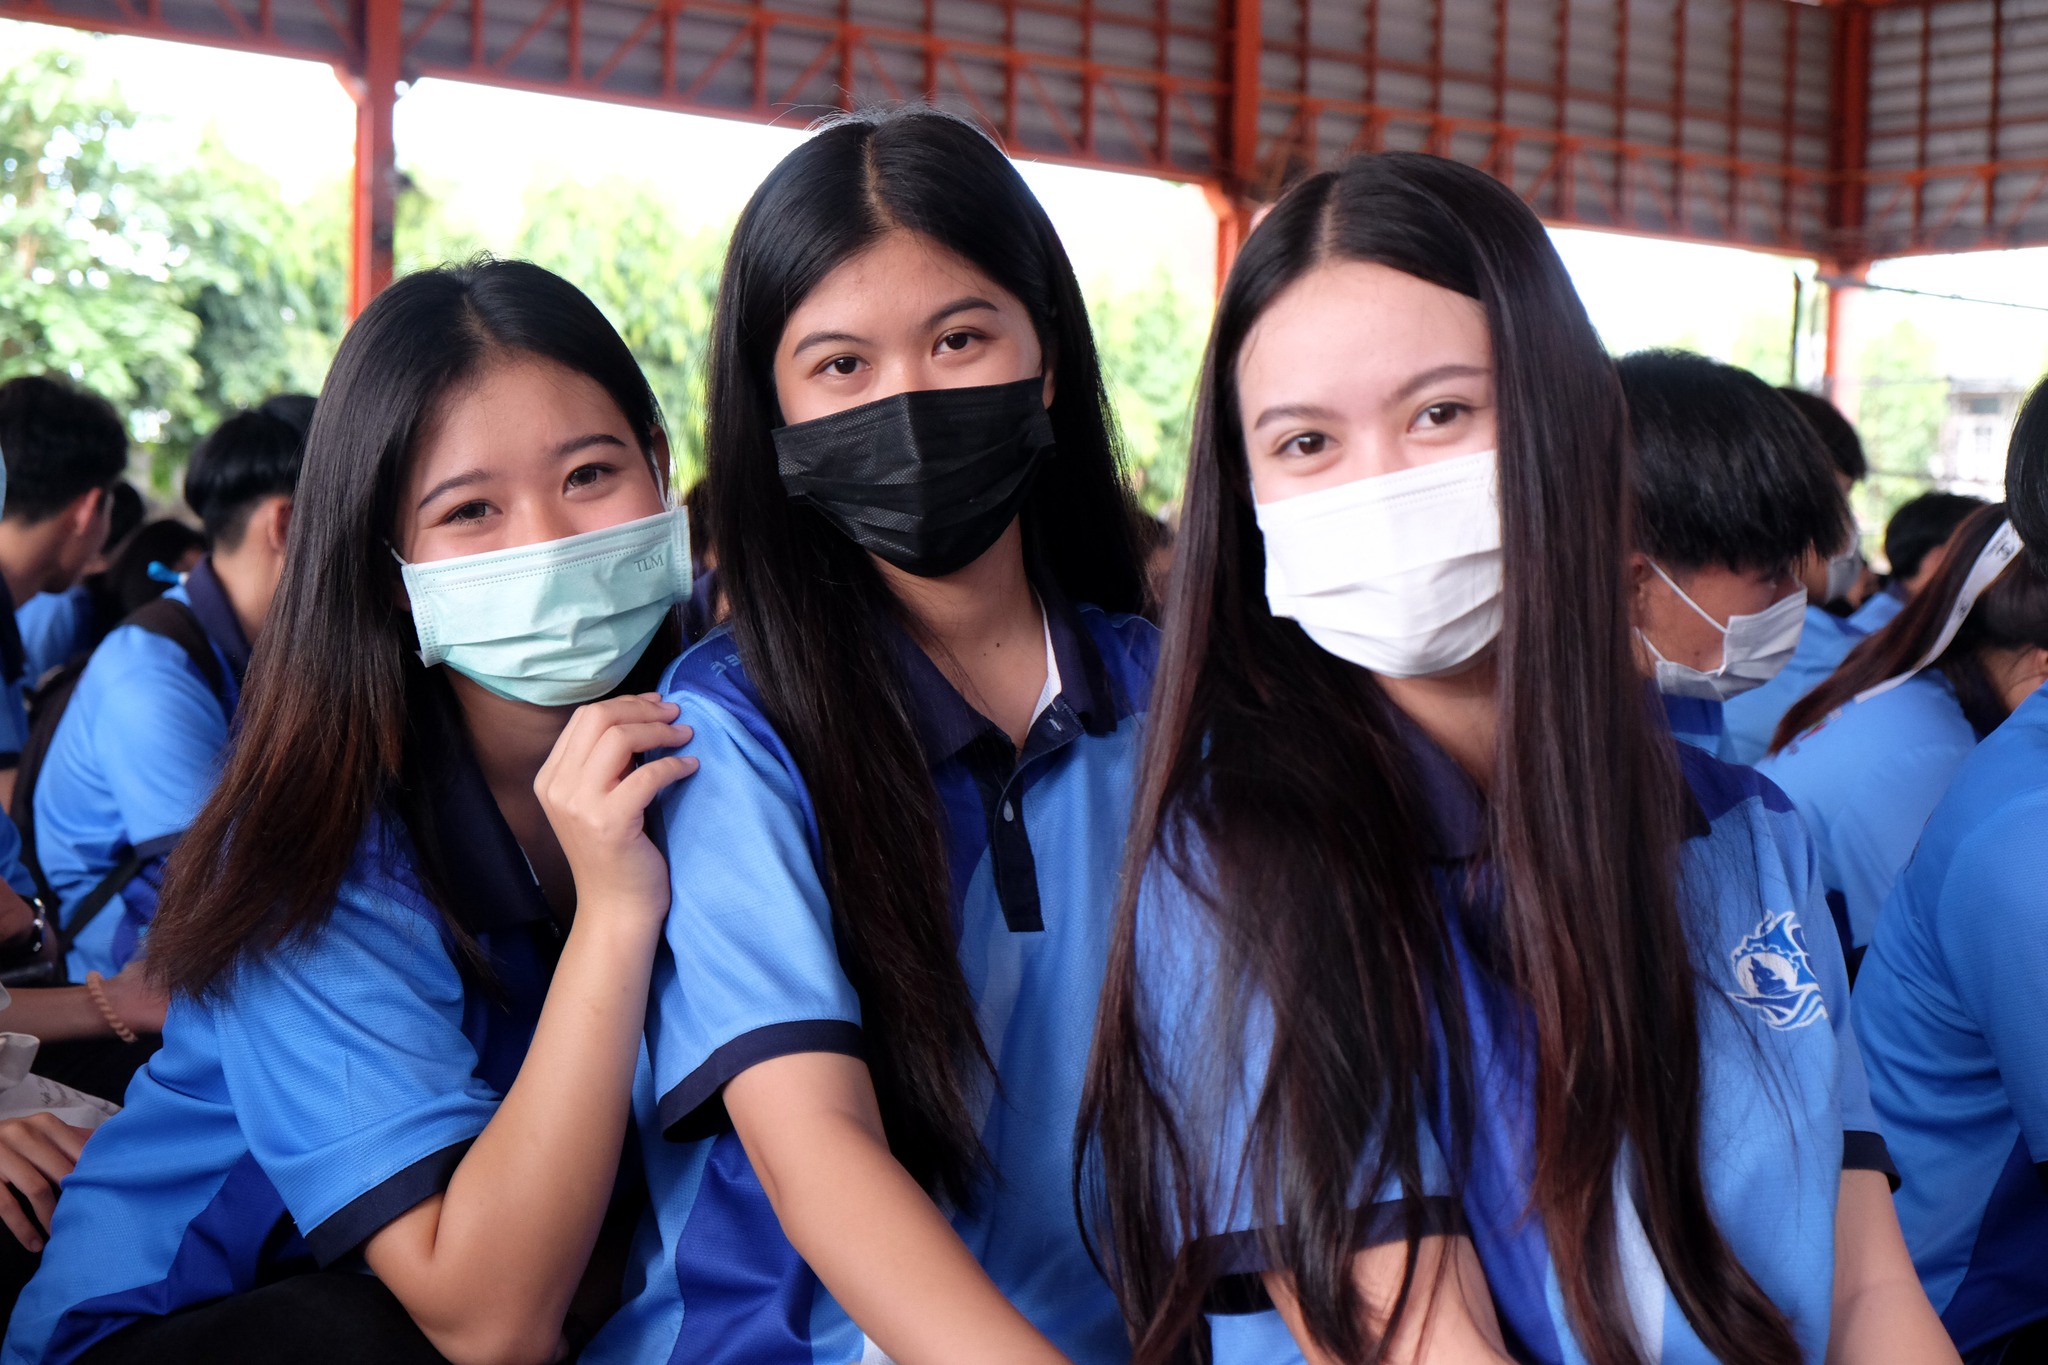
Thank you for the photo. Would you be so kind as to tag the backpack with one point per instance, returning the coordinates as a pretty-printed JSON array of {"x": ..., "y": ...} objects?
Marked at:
[{"x": 166, "y": 617}]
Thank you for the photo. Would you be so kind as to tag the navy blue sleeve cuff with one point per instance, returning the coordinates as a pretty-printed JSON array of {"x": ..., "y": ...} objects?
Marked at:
[
  {"x": 692, "y": 1108},
  {"x": 1867, "y": 1152},
  {"x": 1242, "y": 1256},
  {"x": 362, "y": 1216},
  {"x": 9, "y": 762}
]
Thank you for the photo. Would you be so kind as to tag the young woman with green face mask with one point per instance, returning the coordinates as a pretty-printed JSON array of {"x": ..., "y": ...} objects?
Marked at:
[{"x": 410, "y": 935}]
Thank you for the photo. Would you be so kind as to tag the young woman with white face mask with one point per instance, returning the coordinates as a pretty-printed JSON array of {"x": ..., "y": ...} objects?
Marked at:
[
  {"x": 1455, "y": 1011},
  {"x": 410, "y": 934}
]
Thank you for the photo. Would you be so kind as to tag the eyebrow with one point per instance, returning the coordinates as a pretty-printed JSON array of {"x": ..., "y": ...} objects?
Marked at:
[
  {"x": 965, "y": 305},
  {"x": 1311, "y": 412},
  {"x": 562, "y": 451}
]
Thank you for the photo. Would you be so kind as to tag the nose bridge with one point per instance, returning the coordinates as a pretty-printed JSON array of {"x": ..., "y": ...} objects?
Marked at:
[{"x": 541, "y": 514}]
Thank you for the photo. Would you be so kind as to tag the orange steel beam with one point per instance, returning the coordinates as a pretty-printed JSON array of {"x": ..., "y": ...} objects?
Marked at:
[{"x": 373, "y": 218}]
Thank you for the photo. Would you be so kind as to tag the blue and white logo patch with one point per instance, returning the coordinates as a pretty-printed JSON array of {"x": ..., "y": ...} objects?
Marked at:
[{"x": 1773, "y": 975}]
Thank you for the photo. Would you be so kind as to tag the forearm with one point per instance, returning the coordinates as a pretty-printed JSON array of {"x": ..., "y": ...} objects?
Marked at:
[
  {"x": 1889, "y": 1324},
  {"x": 893, "y": 1262},
  {"x": 489, "y": 1267},
  {"x": 54, "y": 1014}
]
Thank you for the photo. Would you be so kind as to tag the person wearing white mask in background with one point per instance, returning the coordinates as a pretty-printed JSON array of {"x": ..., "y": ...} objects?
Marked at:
[
  {"x": 1831, "y": 595},
  {"x": 1733, "y": 493},
  {"x": 409, "y": 935},
  {"x": 1456, "y": 1013}
]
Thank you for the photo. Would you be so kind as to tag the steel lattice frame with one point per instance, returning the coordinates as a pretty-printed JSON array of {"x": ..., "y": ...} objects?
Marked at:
[{"x": 1844, "y": 132}]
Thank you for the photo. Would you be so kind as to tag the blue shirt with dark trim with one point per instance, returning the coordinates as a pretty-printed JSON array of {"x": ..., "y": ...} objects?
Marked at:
[
  {"x": 134, "y": 757},
  {"x": 1880, "y": 609},
  {"x": 335, "y": 1087},
  {"x": 749, "y": 971},
  {"x": 1752, "y": 718},
  {"x": 15, "y": 679},
  {"x": 1950, "y": 1007},
  {"x": 1865, "y": 780},
  {"x": 54, "y": 626},
  {"x": 1698, "y": 721},
  {"x": 1784, "y": 1104}
]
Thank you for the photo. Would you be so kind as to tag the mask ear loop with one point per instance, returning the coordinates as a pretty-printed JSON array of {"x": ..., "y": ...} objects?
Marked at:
[{"x": 1704, "y": 615}]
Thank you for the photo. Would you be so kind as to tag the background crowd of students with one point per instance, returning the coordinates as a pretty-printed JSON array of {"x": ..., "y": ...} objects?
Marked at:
[{"x": 900, "y": 903}]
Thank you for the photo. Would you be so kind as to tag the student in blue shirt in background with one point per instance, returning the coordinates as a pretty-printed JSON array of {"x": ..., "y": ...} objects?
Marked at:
[
  {"x": 1949, "y": 1006},
  {"x": 1734, "y": 492},
  {"x": 409, "y": 935},
  {"x": 139, "y": 744},
  {"x": 1913, "y": 541},
  {"x": 65, "y": 449},
  {"x": 892, "y": 903},
  {"x": 1752, "y": 718},
  {"x": 1867, "y": 770},
  {"x": 57, "y": 626},
  {"x": 1454, "y": 1007}
]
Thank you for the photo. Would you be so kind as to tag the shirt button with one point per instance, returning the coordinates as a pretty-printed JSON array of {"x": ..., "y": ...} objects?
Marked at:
[{"x": 1009, "y": 812}]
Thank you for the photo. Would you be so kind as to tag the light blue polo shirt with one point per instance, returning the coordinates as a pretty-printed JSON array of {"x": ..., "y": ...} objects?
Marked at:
[
  {"x": 54, "y": 626},
  {"x": 749, "y": 972},
  {"x": 1753, "y": 717},
  {"x": 336, "y": 1086},
  {"x": 1784, "y": 1105},
  {"x": 14, "y": 682},
  {"x": 1879, "y": 609},
  {"x": 1865, "y": 782},
  {"x": 134, "y": 757},
  {"x": 1952, "y": 1008}
]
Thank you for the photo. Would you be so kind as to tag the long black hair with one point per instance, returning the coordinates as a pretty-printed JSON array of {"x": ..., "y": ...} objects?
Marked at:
[
  {"x": 2012, "y": 613},
  {"x": 809, "y": 608},
  {"x": 1278, "y": 786},
  {"x": 332, "y": 719}
]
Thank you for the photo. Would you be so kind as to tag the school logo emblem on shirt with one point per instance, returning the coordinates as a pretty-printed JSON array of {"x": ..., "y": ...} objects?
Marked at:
[{"x": 1774, "y": 977}]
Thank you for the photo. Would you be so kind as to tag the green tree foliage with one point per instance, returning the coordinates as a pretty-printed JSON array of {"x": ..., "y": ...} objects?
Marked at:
[
  {"x": 1151, "y": 340},
  {"x": 1902, "y": 399},
  {"x": 177, "y": 295}
]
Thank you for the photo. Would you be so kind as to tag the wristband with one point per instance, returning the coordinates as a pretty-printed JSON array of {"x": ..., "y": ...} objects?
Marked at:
[{"x": 96, "y": 987}]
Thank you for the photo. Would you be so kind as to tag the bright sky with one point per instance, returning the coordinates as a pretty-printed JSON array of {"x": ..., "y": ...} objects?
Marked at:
[{"x": 483, "y": 148}]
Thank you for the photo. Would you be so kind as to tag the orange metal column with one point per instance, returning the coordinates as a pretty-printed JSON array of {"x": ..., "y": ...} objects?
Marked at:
[
  {"x": 1850, "y": 163},
  {"x": 375, "y": 87},
  {"x": 1230, "y": 197}
]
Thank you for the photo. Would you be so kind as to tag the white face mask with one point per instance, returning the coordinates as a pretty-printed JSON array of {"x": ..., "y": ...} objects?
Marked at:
[
  {"x": 1843, "y": 572},
  {"x": 1399, "y": 573},
  {"x": 1754, "y": 647},
  {"x": 554, "y": 624}
]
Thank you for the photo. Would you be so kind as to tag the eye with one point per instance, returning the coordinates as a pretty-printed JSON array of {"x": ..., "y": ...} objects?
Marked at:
[
  {"x": 1308, "y": 443},
  {"x": 841, "y": 365},
  {"x": 583, "y": 476},
  {"x": 1441, "y": 415},
  {"x": 468, "y": 511},
  {"x": 955, "y": 341}
]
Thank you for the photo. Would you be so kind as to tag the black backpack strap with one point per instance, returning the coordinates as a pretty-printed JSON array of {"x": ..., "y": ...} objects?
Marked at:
[
  {"x": 117, "y": 879},
  {"x": 45, "y": 708},
  {"x": 176, "y": 622}
]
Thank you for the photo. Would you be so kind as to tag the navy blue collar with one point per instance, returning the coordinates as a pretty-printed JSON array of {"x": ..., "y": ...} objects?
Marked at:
[
  {"x": 488, "y": 882},
  {"x": 944, "y": 721},
  {"x": 217, "y": 617},
  {"x": 13, "y": 656}
]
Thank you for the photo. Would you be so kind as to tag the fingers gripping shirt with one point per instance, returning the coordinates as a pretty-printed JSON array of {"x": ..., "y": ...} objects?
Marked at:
[{"x": 749, "y": 970}]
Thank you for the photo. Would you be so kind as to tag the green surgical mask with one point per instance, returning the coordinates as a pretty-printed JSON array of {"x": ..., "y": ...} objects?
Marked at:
[{"x": 558, "y": 623}]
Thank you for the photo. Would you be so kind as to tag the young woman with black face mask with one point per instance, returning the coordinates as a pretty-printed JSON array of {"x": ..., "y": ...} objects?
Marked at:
[
  {"x": 1456, "y": 1010},
  {"x": 410, "y": 934},
  {"x": 872, "y": 1015}
]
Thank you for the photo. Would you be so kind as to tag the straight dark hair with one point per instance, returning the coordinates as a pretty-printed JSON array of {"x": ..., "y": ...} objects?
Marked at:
[
  {"x": 2011, "y": 613},
  {"x": 1726, "y": 469},
  {"x": 1844, "y": 446},
  {"x": 1278, "y": 786},
  {"x": 2026, "y": 476},
  {"x": 338, "y": 708},
  {"x": 809, "y": 609}
]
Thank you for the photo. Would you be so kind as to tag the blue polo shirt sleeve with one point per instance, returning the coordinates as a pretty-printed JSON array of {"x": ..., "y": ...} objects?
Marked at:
[
  {"x": 1211, "y": 1079},
  {"x": 748, "y": 970},
  {"x": 1992, "y": 932},
  {"x": 347, "y": 1067},
  {"x": 12, "y": 870},
  {"x": 159, "y": 742}
]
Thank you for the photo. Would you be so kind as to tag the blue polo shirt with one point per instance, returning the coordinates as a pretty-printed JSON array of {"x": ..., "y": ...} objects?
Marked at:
[
  {"x": 1865, "y": 781},
  {"x": 14, "y": 681},
  {"x": 133, "y": 760},
  {"x": 1697, "y": 721},
  {"x": 1879, "y": 609},
  {"x": 1784, "y": 1106},
  {"x": 1753, "y": 717},
  {"x": 54, "y": 626},
  {"x": 749, "y": 972},
  {"x": 1949, "y": 1005},
  {"x": 337, "y": 1086}
]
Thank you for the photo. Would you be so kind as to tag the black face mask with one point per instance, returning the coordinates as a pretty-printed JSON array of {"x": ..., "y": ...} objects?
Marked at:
[{"x": 927, "y": 480}]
